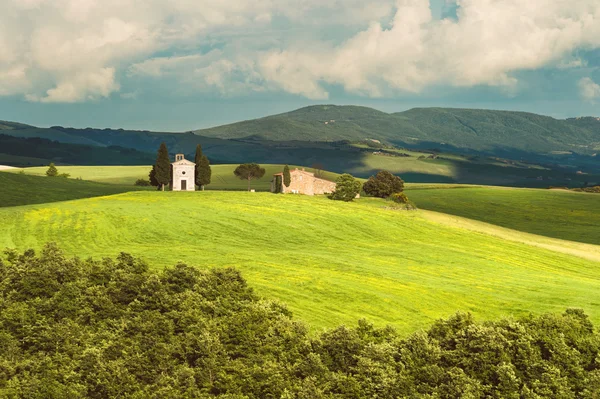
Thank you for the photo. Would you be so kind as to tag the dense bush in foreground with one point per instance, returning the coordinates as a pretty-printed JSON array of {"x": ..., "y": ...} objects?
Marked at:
[{"x": 71, "y": 328}]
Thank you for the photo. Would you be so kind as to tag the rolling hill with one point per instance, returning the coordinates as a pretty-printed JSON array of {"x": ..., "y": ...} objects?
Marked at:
[
  {"x": 553, "y": 213},
  {"x": 21, "y": 189},
  {"x": 33, "y": 151},
  {"x": 331, "y": 262}
]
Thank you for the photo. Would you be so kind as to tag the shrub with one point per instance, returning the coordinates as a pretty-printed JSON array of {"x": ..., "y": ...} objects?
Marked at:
[
  {"x": 65, "y": 175},
  {"x": 346, "y": 189},
  {"x": 399, "y": 198},
  {"x": 383, "y": 185},
  {"x": 401, "y": 202},
  {"x": 142, "y": 183}
]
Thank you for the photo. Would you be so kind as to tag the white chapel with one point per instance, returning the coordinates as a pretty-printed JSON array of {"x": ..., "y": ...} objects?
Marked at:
[{"x": 183, "y": 174}]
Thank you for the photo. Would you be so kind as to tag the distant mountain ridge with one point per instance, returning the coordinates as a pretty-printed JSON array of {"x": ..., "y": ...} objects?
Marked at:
[
  {"x": 317, "y": 134},
  {"x": 472, "y": 129}
]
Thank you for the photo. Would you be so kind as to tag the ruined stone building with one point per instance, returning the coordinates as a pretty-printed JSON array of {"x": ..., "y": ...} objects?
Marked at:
[{"x": 303, "y": 182}]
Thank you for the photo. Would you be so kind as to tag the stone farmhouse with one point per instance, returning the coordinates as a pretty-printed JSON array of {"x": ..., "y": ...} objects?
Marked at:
[
  {"x": 303, "y": 182},
  {"x": 183, "y": 174}
]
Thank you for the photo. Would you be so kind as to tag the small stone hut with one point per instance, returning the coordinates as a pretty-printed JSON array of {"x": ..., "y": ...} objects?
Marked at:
[
  {"x": 183, "y": 174},
  {"x": 303, "y": 182}
]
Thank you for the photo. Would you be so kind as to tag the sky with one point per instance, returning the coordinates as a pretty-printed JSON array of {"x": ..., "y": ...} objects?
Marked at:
[{"x": 179, "y": 65}]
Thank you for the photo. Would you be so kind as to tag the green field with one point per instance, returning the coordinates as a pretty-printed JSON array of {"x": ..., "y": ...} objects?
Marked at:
[
  {"x": 19, "y": 189},
  {"x": 222, "y": 175},
  {"x": 554, "y": 213},
  {"x": 330, "y": 262}
]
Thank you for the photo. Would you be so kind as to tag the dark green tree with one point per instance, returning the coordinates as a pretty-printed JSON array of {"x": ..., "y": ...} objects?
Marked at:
[
  {"x": 203, "y": 171},
  {"x": 162, "y": 168},
  {"x": 152, "y": 177},
  {"x": 198, "y": 155},
  {"x": 287, "y": 178},
  {"x": 249, "y": 172},
  {"x": 52, "y": 171},
  {"x": 278, "y": 184},
  {"x": 383, "y": 185},
  {"x": 346, "y": 189}
]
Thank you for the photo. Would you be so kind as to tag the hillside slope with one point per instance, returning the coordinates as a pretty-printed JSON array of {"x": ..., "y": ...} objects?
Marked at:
[
  {"x": 20, "y": 189},
  {"x": 553, "y": 213},
  {"x": 331, "y": 262},
  {"x": 32, "y": 151}
]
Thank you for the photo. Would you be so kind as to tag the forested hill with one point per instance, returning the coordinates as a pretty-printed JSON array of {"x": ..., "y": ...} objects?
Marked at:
[{"x": 479, "y": 130}]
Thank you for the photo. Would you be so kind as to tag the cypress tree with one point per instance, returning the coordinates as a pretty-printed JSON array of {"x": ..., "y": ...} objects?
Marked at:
[
  {"x": 162, "y": 167},
  {"x": 152, "y": 177},
  {"x": 52, "y": 171},
  {"x": 278, "y": 185},
  {"x": 203, "y": 172},
  {"x": 287, "y": 178},
  {"x": 197, "y": 160}
]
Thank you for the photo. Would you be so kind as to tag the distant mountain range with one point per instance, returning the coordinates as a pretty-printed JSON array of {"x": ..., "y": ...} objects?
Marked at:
[
  {"x": 322, "y": 134},
  {"x": 467, "y": 129}
]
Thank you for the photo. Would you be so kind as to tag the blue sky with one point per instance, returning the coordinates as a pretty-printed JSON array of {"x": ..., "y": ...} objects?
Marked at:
[{"x": 182, "y": 65}]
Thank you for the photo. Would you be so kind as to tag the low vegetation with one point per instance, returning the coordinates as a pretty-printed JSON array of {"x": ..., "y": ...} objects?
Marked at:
[{"x": 71, "y": 328}]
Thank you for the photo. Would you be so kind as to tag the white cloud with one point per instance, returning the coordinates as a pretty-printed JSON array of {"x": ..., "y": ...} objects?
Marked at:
[
  {"x": 80, "y": 50},
  {"x": 488, "y": 42},
  {"x": 589, "y": 89},
  {"x": 227, "y": 74}
]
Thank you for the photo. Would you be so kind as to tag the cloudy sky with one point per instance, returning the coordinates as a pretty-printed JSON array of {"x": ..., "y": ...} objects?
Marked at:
[{"x": 182, "y": 64}]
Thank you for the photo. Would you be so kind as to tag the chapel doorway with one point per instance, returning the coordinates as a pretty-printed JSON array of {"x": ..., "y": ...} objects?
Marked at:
[{"x": 183, "y": 185}]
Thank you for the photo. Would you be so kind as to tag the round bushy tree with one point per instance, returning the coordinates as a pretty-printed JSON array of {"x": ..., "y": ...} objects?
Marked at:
[
  {"x": 383, "y": 185},
  {"x": 249, "y": 171},
  {"x": 346, "y": 189}
]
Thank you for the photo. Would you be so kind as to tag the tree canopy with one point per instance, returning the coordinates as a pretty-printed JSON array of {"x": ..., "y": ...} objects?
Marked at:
[
  {"x": 249, "y": 172},
  {"x": 113, "y": 328},
  {"x": 346, "y": 189},
  {"x": 383, "y": 185}
]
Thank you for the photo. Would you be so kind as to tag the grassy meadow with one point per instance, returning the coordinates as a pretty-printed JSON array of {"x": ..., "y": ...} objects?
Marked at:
[
  {"x": 19, "y": 189},
  {"x": 222, "y": 175},
  {"x": 554, "y": 213},
  {"x": 330, "y": 262}
]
